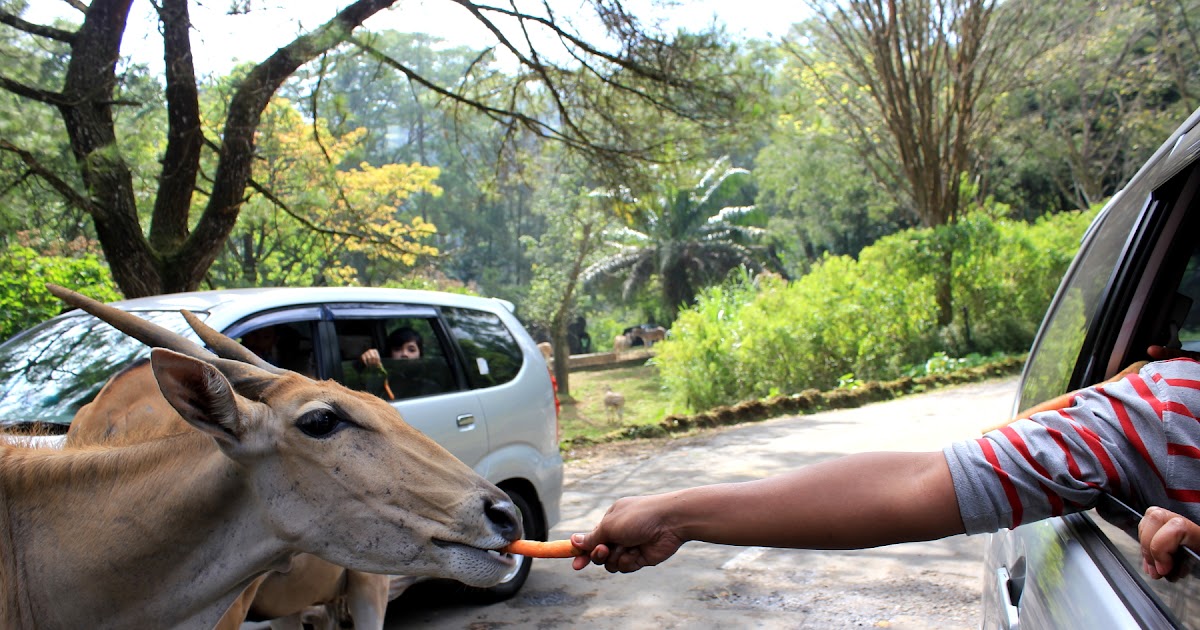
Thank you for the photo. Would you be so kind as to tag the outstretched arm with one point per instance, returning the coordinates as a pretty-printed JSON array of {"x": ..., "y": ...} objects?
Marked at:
[{"x": 863, "y": 500}]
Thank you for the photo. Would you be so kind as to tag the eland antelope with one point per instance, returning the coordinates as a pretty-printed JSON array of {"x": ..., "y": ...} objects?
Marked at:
[
  {"x": 168, "y": 532},
  {"x": 130, "y": 409}
]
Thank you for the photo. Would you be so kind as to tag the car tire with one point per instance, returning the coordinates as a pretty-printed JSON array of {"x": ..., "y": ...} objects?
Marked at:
[{"x": 516, "y": 578}]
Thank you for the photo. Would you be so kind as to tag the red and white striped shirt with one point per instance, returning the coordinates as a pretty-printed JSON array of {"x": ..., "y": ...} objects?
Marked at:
[{"x": 1137, "y": 439}]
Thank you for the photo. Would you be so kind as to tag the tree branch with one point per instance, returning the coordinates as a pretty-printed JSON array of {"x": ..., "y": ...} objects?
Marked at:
[
  {"x": 42, "y": 96},
  {"x": 48, "y": 32},
  {"x": 58, "y": 184}
]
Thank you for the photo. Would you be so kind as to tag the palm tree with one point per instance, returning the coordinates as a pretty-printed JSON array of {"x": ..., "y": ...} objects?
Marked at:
[{"x": 686, "y": 237}]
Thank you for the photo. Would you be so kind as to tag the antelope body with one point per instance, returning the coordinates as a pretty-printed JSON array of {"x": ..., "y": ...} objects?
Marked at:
[
  {"x": 614, "y": 405},
  {"x": 169, "y": 532},
  {"x": 130, "y": 409}
]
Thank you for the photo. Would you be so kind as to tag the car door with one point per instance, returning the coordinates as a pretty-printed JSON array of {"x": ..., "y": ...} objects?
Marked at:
[
  {"x": 1136, "y": 282},
  {"x": 429, "y": 392}
]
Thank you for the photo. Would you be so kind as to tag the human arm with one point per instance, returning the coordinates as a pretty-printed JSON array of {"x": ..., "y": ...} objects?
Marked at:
[
  {"x": 857, "y": 501},
  {"x": 1161, "y": 533},
  {"x": 371, "y": 358}
]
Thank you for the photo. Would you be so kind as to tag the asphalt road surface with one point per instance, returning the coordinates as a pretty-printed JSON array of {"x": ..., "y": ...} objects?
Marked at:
[{"x": 913, "y": 585}]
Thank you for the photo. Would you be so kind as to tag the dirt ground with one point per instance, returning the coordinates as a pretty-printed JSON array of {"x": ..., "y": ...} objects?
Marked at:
[{"x": 917, "y": 585}]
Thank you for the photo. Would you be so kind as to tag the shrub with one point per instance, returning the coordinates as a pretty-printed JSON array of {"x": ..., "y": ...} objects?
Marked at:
[
  {"x": 24, "y": 273},
  {"x": 874, "y": 318}
]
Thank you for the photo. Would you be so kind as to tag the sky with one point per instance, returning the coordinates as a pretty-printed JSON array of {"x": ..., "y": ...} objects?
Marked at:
[{"x": 220, "y": 40}]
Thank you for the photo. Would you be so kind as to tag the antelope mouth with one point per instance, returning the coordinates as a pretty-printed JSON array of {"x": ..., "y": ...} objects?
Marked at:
[{"x": 491, "y": 553}]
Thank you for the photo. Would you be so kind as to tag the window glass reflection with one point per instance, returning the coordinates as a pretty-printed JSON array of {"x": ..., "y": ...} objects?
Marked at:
[{"x": 48, "y": 372}]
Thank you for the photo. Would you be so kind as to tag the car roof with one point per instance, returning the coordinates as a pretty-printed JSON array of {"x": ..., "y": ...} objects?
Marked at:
[{"x": 265, "y": 298}]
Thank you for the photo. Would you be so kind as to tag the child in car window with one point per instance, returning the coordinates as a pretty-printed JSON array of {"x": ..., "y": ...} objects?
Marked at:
[
  {"x": 388, "y": 377},
  {"x": 403, "y": 343}
]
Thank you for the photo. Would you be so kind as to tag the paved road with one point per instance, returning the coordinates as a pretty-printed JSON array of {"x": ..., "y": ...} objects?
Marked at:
[{"x": 916, "y": 585}]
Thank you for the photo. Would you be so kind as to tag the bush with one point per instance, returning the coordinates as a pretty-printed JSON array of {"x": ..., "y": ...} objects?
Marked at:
[
  {"x": 874, "y": 318},
  {"x": 24, "y": 273}
]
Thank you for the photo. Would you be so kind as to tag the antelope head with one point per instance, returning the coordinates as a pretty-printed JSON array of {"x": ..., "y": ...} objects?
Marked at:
[{"x": 333, "y": 472}]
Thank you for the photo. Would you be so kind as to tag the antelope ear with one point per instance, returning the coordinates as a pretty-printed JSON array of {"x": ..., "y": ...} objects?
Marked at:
[{"x": 200, "y": 393}]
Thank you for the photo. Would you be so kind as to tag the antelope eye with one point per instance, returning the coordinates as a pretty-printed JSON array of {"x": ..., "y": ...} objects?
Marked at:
[{"x": 321, "y": 423}]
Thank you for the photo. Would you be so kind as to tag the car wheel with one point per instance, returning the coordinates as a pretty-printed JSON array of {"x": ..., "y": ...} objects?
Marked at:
[{"x": 515, "y": 578}]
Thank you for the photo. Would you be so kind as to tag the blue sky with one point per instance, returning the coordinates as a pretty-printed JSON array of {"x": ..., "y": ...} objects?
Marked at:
[{"x": 221, "y": 40}]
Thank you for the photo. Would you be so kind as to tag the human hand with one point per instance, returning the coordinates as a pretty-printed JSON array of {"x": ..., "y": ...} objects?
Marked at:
[
  {"x": 370, "y": 358},
  {"x": 633, "y": 534},
  {"x": 1161, "y": 533},
  {"x": 1162, "y": 353}
]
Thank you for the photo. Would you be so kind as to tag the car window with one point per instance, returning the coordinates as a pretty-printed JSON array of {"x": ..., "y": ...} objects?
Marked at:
[
  {"x": 493, "y": 355},
  {"x": 398, "y": 376},
  {"x": 288, "y": 345},
  {"x": 1162, "y": 307},
  {"x": 48, "y": 372},
  {"x": 1187, "y": 308},
  {"x": 1057, "y": 349},
  {"x": 1179, "y": 596}
]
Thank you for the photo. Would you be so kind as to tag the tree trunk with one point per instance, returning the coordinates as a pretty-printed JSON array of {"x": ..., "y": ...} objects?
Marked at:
[
  {"x": 562, "y": 356},
  {"x": 170, "y": 259},
  {"x": 943, "y": 288}
]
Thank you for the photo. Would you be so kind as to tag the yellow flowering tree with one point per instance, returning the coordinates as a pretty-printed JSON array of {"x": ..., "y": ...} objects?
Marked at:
[{"x": 311, "y": 220}]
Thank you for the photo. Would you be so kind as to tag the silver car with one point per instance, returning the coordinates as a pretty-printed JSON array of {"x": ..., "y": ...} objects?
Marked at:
[
  {"x": 1134, "y": 283},
  {"x": 479, "y": 386}
]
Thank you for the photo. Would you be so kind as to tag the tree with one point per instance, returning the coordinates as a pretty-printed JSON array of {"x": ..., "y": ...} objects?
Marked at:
[
  {"x": 576, "y": 222},
  {"x": 1100, "y": 98},
  {"x": 819, "y": 195},
  {"x": 177, "y": 249},
  {"x": 685, "y": 236},
  {"x": 319, "y": 224},
  {"x": 917, "y": 84}
]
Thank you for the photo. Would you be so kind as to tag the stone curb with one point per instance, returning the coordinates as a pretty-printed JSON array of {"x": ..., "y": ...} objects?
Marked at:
[{"x": 807, "y": 401}]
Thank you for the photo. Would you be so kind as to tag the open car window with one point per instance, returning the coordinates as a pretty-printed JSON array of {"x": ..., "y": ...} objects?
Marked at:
[
  {"x": 1180, "y": 597},
  {"x": 396, "y": 377}
]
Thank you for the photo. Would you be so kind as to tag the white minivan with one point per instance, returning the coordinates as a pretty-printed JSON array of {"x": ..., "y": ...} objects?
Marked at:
[{"x": 480, "y": 387}]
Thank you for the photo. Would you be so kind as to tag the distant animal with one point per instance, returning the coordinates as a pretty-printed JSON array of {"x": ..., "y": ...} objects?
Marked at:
[
  {"x": 651, "y": 335},
  {"x": 622, "y": 343},
  {"x": 547, "y": 350},
  {"x": 614, "y": 405}
]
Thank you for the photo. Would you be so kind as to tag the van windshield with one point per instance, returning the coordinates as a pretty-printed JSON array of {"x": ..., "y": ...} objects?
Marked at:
[{"x": 48, "y": 372}]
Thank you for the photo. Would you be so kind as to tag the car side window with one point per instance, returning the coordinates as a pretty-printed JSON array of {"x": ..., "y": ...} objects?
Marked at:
[
  {"x": 1067, "y": 322},
  {"x": 393, "y": 370},
  {"x": 288, "y": 345},
  {"x": 1186, "y": 309},
  {"x": 493, "y": 355}
]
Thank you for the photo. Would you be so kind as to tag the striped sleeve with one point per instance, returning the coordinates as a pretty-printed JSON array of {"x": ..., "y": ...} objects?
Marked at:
[{"x": 1137, "y": 439}]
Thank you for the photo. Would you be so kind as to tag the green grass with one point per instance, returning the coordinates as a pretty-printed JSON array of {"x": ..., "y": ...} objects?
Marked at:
[{"x": 645, "y": 402}]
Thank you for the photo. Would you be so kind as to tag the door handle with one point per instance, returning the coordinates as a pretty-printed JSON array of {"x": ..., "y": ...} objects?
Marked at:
[
  {"x": 1009, "y": 595},
  {"x": 466, "y": 420}
]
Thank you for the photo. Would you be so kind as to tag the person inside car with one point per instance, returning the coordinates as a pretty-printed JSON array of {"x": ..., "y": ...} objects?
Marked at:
[
  {"x": 388, "y": 377},
  {"x": 1161, "y": 533},
  {"x": 1121, "y": 437},
  {"x": 403, "y": 343}
]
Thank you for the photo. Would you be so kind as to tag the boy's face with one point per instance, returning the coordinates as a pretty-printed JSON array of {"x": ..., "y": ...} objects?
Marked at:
[{"x": 409, "y": 350}]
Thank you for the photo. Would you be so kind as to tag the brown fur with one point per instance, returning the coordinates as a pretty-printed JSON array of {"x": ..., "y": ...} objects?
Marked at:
[
  {"x": 130, "y": 409},
  {"x": 168, "y": 532}
]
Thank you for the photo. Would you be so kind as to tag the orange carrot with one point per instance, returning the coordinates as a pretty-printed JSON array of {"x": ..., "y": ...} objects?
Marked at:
[{"x": 538, "y": 549}]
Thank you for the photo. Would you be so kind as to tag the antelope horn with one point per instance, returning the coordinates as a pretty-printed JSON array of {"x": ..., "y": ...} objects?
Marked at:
[
  {"x": 248, "y": 380},
  {"x": 225, "y": 347},
  {"x": 150, "y": 334}
]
